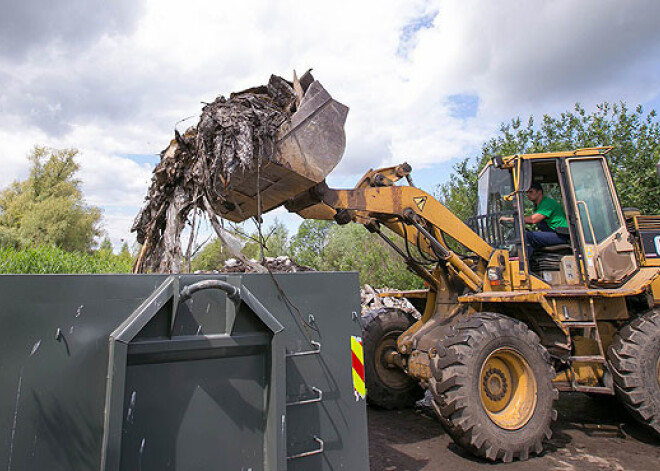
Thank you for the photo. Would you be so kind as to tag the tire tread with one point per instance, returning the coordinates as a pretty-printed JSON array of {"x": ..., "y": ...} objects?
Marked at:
[
  {"x": 626, "y": 355},
  {"x": 450, "y": 380}
]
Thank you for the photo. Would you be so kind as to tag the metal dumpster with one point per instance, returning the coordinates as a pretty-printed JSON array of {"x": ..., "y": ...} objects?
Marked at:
[{"x": 192, "y": 372}]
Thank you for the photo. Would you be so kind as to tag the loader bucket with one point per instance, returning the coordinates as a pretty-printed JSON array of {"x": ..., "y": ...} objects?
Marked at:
[{"x": 308, "y": 147}]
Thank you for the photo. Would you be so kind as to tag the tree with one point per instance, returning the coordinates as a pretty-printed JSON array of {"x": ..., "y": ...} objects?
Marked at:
[
  {"x": 124, "y": 251},
  {"x": 214, "y": 254},
  {"x": 634, "y": 135},
  {"x": 352, "y": 247},
  {"x": 275, "y": 239},
  {"x": 106, "y": 247},
  {"x": 212, "y": 257},
  {"x": 459, "y": 193},
  {"x": 47, "y": 208},
  {"x": 308, "y": 245}
]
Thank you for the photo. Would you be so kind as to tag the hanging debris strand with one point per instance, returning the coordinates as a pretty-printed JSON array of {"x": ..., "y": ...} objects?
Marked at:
[{"x": 265, "y": 144}]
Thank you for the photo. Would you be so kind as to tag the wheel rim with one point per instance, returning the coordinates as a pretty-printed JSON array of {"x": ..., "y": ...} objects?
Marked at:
[
  {"x": 389, "y": 374},
  {"x": 508, "y": 389}
]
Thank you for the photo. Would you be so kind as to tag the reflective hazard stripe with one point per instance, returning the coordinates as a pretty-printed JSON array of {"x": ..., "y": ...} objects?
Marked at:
[{"x": 357, "y": 360}]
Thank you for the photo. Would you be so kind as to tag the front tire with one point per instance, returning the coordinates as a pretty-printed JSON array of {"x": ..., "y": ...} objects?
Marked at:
[
  {"x": 635, "y": 360},
  {"x": 492, "y": 387},
  {"x": 387, "y": 386}
]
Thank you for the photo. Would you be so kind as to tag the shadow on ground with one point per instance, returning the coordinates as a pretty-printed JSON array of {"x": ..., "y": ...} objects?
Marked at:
[{"x": 591, "y": 433}]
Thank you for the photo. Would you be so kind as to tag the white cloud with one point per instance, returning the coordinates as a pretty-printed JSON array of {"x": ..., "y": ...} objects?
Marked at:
[{"x": 118, "y": 88}]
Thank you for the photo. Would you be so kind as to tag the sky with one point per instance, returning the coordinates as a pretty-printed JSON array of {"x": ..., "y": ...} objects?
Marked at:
[{"x": 427, "y": 82}]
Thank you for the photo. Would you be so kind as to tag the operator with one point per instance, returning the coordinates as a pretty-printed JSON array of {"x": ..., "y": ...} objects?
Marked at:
[{"x": 549, "y": 218}]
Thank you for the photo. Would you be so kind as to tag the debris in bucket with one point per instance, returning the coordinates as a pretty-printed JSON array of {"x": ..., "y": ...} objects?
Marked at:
[
  {"x": 371, "y": 300},
  {"x": 194, "y": 175}
]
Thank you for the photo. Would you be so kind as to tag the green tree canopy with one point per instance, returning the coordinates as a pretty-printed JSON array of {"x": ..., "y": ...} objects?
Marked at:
[
  {"x": 308, "y": 244},
  {"x": 212, "y": 257},
  {"x": 124, "y": 251},
  {"x": 352, "y": 247},
  {"x": 275, "y": 239},
  {"x": 214, "y": 254},
  {"x": 47, "y": 208},
  {"x": 634, "y": 134},
  {"x": 105, "y": 247}
]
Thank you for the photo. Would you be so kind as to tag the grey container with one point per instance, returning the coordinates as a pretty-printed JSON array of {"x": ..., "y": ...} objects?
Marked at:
[{"x": 119, "y": 372}]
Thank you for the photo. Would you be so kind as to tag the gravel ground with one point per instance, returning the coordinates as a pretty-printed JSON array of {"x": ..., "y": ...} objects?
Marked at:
[{"x": 590, "y": 434}]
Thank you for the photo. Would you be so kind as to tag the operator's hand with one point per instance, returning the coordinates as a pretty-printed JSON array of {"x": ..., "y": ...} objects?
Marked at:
[{"x": 507, "y": 219}]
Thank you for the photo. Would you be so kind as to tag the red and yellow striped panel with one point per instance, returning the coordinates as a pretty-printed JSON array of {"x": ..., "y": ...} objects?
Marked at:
[{"x": 357, "y": 358}]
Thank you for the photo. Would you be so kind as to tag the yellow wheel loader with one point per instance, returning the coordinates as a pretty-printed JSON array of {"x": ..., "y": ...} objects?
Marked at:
[
  {"x": 504, "y": 328},
  {"x": 502, "y": 331}
]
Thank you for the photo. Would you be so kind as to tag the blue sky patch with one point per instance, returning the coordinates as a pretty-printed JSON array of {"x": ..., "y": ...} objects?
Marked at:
[
  {"x": 463, "y": 105},
  {"x": 152, "y": 159},
  {"x": 409, "y": 31}
]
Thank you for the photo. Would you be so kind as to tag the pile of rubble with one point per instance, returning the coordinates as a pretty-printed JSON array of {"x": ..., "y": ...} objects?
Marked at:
[
  {"x": 195, "y": 172},
  {"x": 371, "y": 300},
  {"x": 281, "y": 264}
]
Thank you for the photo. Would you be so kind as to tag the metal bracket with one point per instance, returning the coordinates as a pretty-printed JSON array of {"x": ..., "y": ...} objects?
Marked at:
[
  {"x": 318, "y": 398},
  {"x": 319, "y": 450},
  {"x": 316, "y": 351}
]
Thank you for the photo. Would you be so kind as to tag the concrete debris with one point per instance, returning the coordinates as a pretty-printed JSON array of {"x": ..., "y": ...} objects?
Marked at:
[
  {"x": 281, "y": 264},
  {"x": 195, "y": 171},
  {"x": 371, "y": 300},
  {"x": 425, "y": 404}
]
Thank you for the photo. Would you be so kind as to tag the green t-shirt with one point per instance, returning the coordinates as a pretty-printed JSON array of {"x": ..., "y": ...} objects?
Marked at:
[{"x": 553, "y": 212}]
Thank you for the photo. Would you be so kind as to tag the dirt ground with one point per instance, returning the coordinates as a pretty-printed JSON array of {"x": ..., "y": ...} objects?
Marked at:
[{"x": 590, "y": 434}]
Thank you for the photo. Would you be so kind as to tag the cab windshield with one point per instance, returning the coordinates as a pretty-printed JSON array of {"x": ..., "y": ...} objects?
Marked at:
[{"x": 493, "y": 186}]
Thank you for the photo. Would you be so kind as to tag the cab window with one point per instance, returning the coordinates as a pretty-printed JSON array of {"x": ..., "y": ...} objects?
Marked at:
[{"x": 598, "y": 214}]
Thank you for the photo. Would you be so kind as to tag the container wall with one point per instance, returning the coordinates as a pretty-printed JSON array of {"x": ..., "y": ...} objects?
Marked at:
[
  {"x": 53, "y": 363},
  {"x": 206, "y": 388}
]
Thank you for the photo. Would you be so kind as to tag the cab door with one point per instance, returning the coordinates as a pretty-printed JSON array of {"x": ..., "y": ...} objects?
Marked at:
[{"x": 608, "y": 254}]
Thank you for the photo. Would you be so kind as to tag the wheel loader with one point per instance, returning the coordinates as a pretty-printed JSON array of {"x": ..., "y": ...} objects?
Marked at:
[{"x": 503, "y": 329}]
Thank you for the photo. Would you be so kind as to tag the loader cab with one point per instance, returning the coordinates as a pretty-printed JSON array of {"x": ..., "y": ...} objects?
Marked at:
[{"x": 599, "y": 252}]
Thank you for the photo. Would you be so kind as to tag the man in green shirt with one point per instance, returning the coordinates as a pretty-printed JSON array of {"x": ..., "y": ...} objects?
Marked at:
[{"x": 550, "y": 219}]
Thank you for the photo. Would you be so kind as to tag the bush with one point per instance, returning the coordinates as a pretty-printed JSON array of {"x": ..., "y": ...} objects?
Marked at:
[{"x": 49, "y": 259}]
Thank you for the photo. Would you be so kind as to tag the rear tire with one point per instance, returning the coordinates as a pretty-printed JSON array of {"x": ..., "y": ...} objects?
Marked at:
[
  {"x": 635, "y": 360},
  {"x": 492, "y": 384},
  {"x": 387, "y": 387}
]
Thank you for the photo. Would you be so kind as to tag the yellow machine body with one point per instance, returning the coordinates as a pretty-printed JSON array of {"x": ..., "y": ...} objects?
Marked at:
[{"x": 575, "y": 309}]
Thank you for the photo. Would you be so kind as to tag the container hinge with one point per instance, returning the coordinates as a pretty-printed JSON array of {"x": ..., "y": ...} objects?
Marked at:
[
  {"x": 318, "y": 398},
  {"x": 318, "y": 451},
  {"x": 316, "y": 351}
]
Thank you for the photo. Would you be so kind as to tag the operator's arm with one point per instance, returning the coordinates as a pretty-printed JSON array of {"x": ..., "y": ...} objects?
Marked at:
[{"x": 533, "y": 219}]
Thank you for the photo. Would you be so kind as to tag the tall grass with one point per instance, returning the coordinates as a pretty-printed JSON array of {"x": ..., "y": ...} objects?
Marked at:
[{"x": 48, "y": 259}]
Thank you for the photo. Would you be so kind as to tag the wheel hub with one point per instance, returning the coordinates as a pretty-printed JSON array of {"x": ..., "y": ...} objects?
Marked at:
[
  {"x": 386, "y": 365},
  {"x": 495, "y": 385},
  {"x": 508, "y": 388}
]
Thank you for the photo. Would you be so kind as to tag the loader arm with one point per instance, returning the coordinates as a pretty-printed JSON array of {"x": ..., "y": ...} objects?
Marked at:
[{"x": 409, "y": 212}]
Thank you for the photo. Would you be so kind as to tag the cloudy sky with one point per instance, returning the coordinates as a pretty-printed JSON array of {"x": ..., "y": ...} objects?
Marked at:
[{"x": 426, "y": 81}]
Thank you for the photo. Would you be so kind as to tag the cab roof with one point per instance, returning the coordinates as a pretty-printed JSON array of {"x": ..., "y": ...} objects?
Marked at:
[
  {"x": 508, "y": 161},
  {"x": 583, "y": 152}
]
